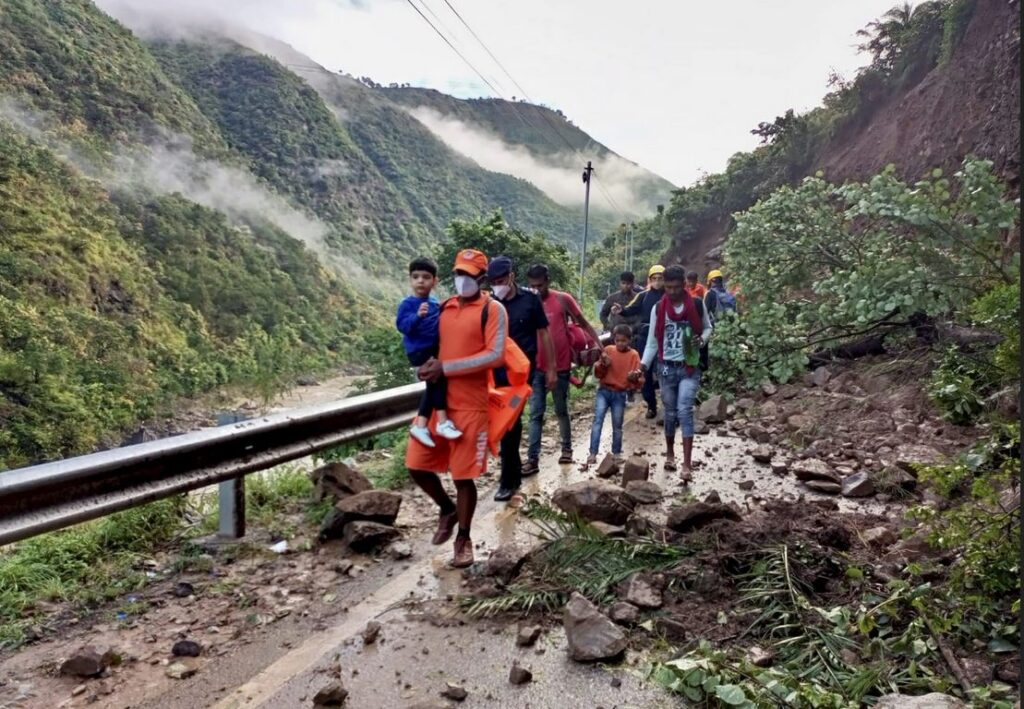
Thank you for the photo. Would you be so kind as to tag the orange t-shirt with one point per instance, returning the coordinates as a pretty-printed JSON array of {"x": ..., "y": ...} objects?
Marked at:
[
  {"x": 468, "y": 351},
  {"x": 615, "y": 375},
  {"x": 698, "y": 291}
]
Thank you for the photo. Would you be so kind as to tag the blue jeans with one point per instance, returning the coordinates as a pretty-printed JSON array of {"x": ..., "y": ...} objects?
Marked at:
[
  {"x": 616, "y": 401},
  {"x": 538, "y": 405},
  {"x": 678, "y": 392}
]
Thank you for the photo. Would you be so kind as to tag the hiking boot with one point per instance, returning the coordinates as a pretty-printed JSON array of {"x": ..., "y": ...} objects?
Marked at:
[
  {"x": 503, "y": 494},
  {"x": 463, "y": 553},
  {"x": 531, "y": 467},
  {"x": 445, "y": 527},
  {"x": 651, "y": 413},
  {"x": 566, "y": 457},
  {"x": 422, "y": 434},
  {"x": 448, "y": 430}
]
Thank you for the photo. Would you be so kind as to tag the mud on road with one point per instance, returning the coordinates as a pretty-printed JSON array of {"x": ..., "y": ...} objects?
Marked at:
[{"x": 276, "y": 628}]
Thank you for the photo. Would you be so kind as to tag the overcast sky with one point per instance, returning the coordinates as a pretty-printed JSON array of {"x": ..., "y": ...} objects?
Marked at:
[{"x": 675, "y": 85}]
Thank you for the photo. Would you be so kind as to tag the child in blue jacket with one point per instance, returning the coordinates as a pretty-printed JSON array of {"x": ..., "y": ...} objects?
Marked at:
[{"x": 417, "y": 320}]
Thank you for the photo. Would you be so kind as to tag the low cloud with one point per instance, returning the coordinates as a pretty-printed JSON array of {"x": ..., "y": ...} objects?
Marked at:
[{"x": 558, "y": 176}]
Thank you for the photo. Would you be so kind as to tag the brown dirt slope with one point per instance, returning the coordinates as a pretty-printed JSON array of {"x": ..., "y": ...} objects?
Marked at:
[{"x": 970, "y": 105}]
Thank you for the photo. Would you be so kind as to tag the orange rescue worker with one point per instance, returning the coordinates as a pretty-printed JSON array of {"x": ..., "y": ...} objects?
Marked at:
[{"x": 471, "y": 345}]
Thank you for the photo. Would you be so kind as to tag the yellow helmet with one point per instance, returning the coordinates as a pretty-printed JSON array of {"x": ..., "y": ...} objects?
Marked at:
[
  {"x": 714, "y": 274},
  {"x": 655, "y": 270}
]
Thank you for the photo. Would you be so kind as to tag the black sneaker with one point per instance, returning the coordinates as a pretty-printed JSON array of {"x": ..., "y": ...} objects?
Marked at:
[
  {"x": 531, "y": 467},
  {"x": 651, "y": 413},
  {"x": 503, "y": 494}
]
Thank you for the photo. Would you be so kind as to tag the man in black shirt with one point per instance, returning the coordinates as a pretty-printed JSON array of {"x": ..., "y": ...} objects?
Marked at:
[{"x": 528, "y": 328}]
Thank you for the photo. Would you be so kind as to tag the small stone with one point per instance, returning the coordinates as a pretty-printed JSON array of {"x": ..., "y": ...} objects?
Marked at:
[
  {"x": 364, "y": 536},
  {"x": 506, "y": 561},
  {"x": 595, "y": 500},
  {"x": 768, "y": 389},
  {"x": 183, "y": 589},
  {"x": 519, "y": 675},
  {"x": 759, "y": 657},
  {"x": 636, "y": 468},
  {"x": 700, "y": 427},
  {"x": 89, "y": 661},
  {"x": 745, "y": 484},
  {"x": 671, "y": 628},
  {"x": 745, "y": 404},
  {"x": 400, "y": 550},
  {"x": 699, "y": 514},
  {"x": 820, "y": 377},
  {"x": 616, "y": 682},
  {"x": 762, "y": 453},
  {"x": 527, "y": 635},
  {"x": 182, "y": 669},
  {"x": 780, "y": 468},
  {"x": 879, "y": 537},
  {"x": 186, "y": 648},
  {"x": 639, "y": 591},
  {"x": 935, "y": 700},
  {"x": 80, "y": 689},
  {"x": 713, "y": 498},
  {"x": 624, "y": 613},
  {"x": 714, "y": 410},
  {"x": 371, "y": 632},
  {"x": 343, "y": 566},
  {"x": 823, "y": 486},
  {"x": 333, "y": 695},
  {"x": 858, "y": 485},
  {"x": 609, "y": 467},
  {"x": 590, "y": 634},
  {"x": 815, "y": 469},
  {"x": 454, "y": 692}
]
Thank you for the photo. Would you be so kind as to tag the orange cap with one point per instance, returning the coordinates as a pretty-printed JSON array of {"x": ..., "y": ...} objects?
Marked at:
[{"x": 471, "y": 261}]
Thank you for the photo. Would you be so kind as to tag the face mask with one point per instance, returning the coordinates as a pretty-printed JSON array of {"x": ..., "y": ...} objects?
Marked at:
[
  {"x": 501, "y": 292},
  {"x": 466, "y": 286}
]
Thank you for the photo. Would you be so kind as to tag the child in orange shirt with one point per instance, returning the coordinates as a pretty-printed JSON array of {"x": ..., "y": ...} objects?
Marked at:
[{"x": 618, "y": 372}]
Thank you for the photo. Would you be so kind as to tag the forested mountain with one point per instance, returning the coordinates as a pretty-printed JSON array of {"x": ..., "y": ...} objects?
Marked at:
[{"x": 182, "y": 212}]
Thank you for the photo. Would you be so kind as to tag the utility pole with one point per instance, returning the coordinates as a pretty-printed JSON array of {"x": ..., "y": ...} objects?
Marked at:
[{"x": 587, "y": 171}]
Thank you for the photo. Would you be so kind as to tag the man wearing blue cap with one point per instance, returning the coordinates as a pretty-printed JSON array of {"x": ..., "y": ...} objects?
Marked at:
[{"x": 527, "y": 325}]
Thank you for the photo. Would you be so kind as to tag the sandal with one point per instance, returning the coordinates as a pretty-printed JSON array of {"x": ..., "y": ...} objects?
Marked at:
[
  {"x": 565, "y": 458},
  {"x": 670, "y": 465}
]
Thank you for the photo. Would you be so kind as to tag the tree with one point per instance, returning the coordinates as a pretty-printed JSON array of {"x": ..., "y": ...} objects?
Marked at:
[{"x": 495, "y": 237}]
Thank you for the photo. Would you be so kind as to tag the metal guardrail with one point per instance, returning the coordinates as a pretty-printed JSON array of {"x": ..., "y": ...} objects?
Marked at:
[{"x": 51, "y": 496}]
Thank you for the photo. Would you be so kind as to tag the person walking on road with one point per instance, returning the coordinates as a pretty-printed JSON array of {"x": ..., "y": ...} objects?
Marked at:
[
  {"x": 621, "y": 298},
  {"x": 560, "y": 308},
  {"x": 641, "y": 307},
  {"x": 718, "y": 299},
  {"x": 619, "y": 372},
  {"x": 679, "y": 328},
  {"x": 471, "y": 344},
  {"x": 528, "y": 328}
]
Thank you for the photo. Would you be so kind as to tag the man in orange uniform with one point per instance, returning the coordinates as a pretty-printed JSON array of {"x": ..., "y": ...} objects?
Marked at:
[
  {"x": 693, "y": 285},
  {"x": 471, "y": 344}
]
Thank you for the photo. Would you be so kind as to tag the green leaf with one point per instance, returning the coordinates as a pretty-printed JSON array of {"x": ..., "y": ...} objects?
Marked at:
[{"x": 731, "y": 694}]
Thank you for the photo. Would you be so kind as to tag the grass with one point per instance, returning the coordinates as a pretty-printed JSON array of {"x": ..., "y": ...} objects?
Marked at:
[{"x": 87, "y": 564}]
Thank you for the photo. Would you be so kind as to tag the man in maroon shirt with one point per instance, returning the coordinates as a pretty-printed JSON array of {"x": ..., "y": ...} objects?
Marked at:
[{"x": 560, "y": 308}]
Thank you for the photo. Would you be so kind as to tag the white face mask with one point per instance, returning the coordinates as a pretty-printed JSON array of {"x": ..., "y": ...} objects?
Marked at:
[
  {"x": 466, "y": 286},
  {"x": 501, "y": 292}
]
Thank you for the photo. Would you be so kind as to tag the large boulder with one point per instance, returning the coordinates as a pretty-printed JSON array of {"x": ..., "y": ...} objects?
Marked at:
[
  {"x": 596, "y": 501},
  {"x": 364, "y": 536},
  {"x": 592, "y": 636},
  {"x": 815, "y": 469},
  {"x": 699, "y": 514},
  {"x": 714, "y": 410},
  {"x": 934, "y": 700},
  {"x": 338, "y": 481},
  {"x": 858, "y": 485}
]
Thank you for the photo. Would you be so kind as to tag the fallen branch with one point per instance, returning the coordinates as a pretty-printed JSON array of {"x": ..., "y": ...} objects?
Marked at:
[{"x": 950, "y": 658}]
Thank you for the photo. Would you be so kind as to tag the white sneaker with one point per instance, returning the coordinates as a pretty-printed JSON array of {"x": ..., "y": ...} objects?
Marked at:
[
  {"x": 448, "y": 430},
  {"x": 422, "y": 434}
]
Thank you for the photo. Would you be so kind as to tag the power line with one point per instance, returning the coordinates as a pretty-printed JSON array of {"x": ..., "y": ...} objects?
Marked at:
[{"x": 539, "y": 110}]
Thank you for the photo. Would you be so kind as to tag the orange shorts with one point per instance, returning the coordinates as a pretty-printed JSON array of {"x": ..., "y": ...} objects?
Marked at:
[{"x": 465, "y": 457}]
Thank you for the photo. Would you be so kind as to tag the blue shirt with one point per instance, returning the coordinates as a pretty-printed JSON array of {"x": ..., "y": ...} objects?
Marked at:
[{"x": 418, "y": 333}]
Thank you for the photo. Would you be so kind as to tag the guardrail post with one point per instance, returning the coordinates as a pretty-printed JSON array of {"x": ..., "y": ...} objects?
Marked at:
[{"x": 231, "y": 508}]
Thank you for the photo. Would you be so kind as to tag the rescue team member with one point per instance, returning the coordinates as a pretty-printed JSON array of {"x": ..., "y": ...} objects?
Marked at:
[
  {"x": 693, "y": 285},
  {"x": 528, "y": 327},
  {"x": 679, "y": 327},
  {"x": 560, "y": 308},
  {"x": 622, "y": 298},
  {"x": 470, "y": 346},
  {"x": 642, "y": 306}
]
